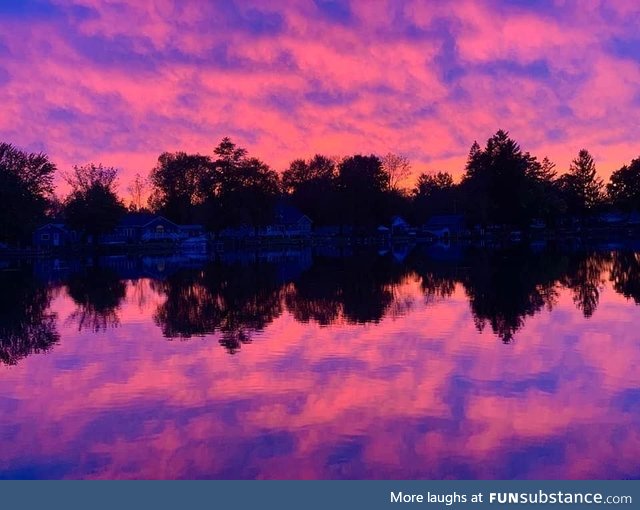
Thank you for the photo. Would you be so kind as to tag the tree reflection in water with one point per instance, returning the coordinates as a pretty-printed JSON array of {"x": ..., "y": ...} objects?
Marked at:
[
  {"x": 26, "y": 324},
  {"x": 98, "y": 293},
  {"x": 585, "y": 278},
  {"x": 625, "y": 274},
  {"x": 236, "y": 300},
  {"x": 356, "y": 289},
  {"x": 239, "y": 298},
  {"x": 503, "y": 287}
]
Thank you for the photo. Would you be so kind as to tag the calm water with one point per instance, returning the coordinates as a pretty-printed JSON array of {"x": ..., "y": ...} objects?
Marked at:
[{"x": 429, "y": 363}]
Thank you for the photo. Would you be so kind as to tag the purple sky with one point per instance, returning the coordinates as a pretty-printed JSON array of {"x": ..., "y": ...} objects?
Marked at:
[{"x": 119, "y": 82}]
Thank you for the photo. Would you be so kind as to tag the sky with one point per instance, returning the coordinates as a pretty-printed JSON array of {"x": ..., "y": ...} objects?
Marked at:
[{"x": 120, "y": 82}]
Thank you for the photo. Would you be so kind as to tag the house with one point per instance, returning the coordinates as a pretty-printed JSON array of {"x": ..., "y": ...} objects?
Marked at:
[
  {"x": 240, "y": 232},
  {"x": 194, "y": 247},
  {"x": 445, "y": 226},
  {"x": 54, "y": 235},
  {"x": 145, "y": 227},
  {"x": 537, "y": 224},
  {"x": 333, "y": 230},
  {"x": 288, "y": 221},
  {"x": 192, "y": 230},
  {"x": 612, "y": 219},
  {"x": 399, "y": 226},
  {"x": 383, "y": 231}
]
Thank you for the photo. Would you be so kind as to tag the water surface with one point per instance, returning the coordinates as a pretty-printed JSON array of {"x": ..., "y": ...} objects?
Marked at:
[{"x": 437, "y": 362}]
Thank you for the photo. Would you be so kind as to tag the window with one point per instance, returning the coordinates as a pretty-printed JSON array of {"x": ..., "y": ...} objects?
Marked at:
[{"x": 44, "y": 237}]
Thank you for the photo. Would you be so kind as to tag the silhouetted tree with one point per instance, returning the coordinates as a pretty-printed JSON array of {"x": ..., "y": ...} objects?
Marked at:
[
  {"x": 26, "y": 188},
  {"x": 434, "y": 194},
  {"x": 248, "y": 193},
  {"x": 55, "y": 208},
  {"x": 623, "y": 188},
  {"x": 27, "y": 326},
  {"x": 312, "y": 187},
  {"x": 430, "y": 184},
  {"x": 546, "y": 192},
  {"x": 397, "y": 168},
  {"x": 98, "y": 293},
  {"x": 362, "y": 184},
  {"x": 582, "y": 187},
  {"x": 137, "y": 190},
  {"x": 236, "y": 189},
  {"x": 500, "y": 183},
  {"x": 180, "y": 184},
  {"x": 228, "y": 153},
  {"x": 93, "y": 207}
]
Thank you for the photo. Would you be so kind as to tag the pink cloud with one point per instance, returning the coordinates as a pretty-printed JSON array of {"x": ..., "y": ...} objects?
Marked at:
[{"x": 122, "y": 83}]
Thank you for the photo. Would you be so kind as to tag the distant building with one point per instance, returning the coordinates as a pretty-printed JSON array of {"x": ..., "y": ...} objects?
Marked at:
[
  {"x": 537, "y": 224},
  {"x": 54, "y": 235},
  {"x": 288, "y": 221},
  {"x": 144, "y": 227},
  {"x": 399, "y": 226},
  {"x": 618, "y": 219},
  {"x": 240, "y": 232},
  {"x": 133, "y": 228},
  {"x": 443, "y": 226},
  {"x": 612, "y": 218},
  {"x": 192, "y": 230},
  {"x": 194, "y": 246}
]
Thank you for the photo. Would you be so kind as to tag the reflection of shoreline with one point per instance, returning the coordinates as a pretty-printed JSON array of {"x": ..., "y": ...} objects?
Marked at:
[
  {"x": 237, "y": 294},
  {"x": 417, "y": 395},
  {"x": 27, "y": 326}
]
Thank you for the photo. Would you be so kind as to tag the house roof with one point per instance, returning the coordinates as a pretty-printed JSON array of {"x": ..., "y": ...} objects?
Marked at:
[
  {"x": 140, "y": 219},
  {"x": 287, "y": 213},
  {"x": 59, "y": 226},
  {"x": 612, "y": 217},
  {"x": 398, "y": 221},
  {"x": 135, "y": 219}
]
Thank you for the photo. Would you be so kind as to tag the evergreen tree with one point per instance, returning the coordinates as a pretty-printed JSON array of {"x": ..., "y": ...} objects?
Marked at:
[{"x": 582, "y": 187}]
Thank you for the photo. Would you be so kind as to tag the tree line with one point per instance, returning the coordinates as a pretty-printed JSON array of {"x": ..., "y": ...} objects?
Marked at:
[{"x": 501, "y": 185}]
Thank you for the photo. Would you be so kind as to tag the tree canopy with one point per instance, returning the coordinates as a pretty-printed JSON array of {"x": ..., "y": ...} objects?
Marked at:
[
  {"x": 93, "y": 207},
  {"x": 26, "y": 190},
  {"x": 623, "y": 188}
]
